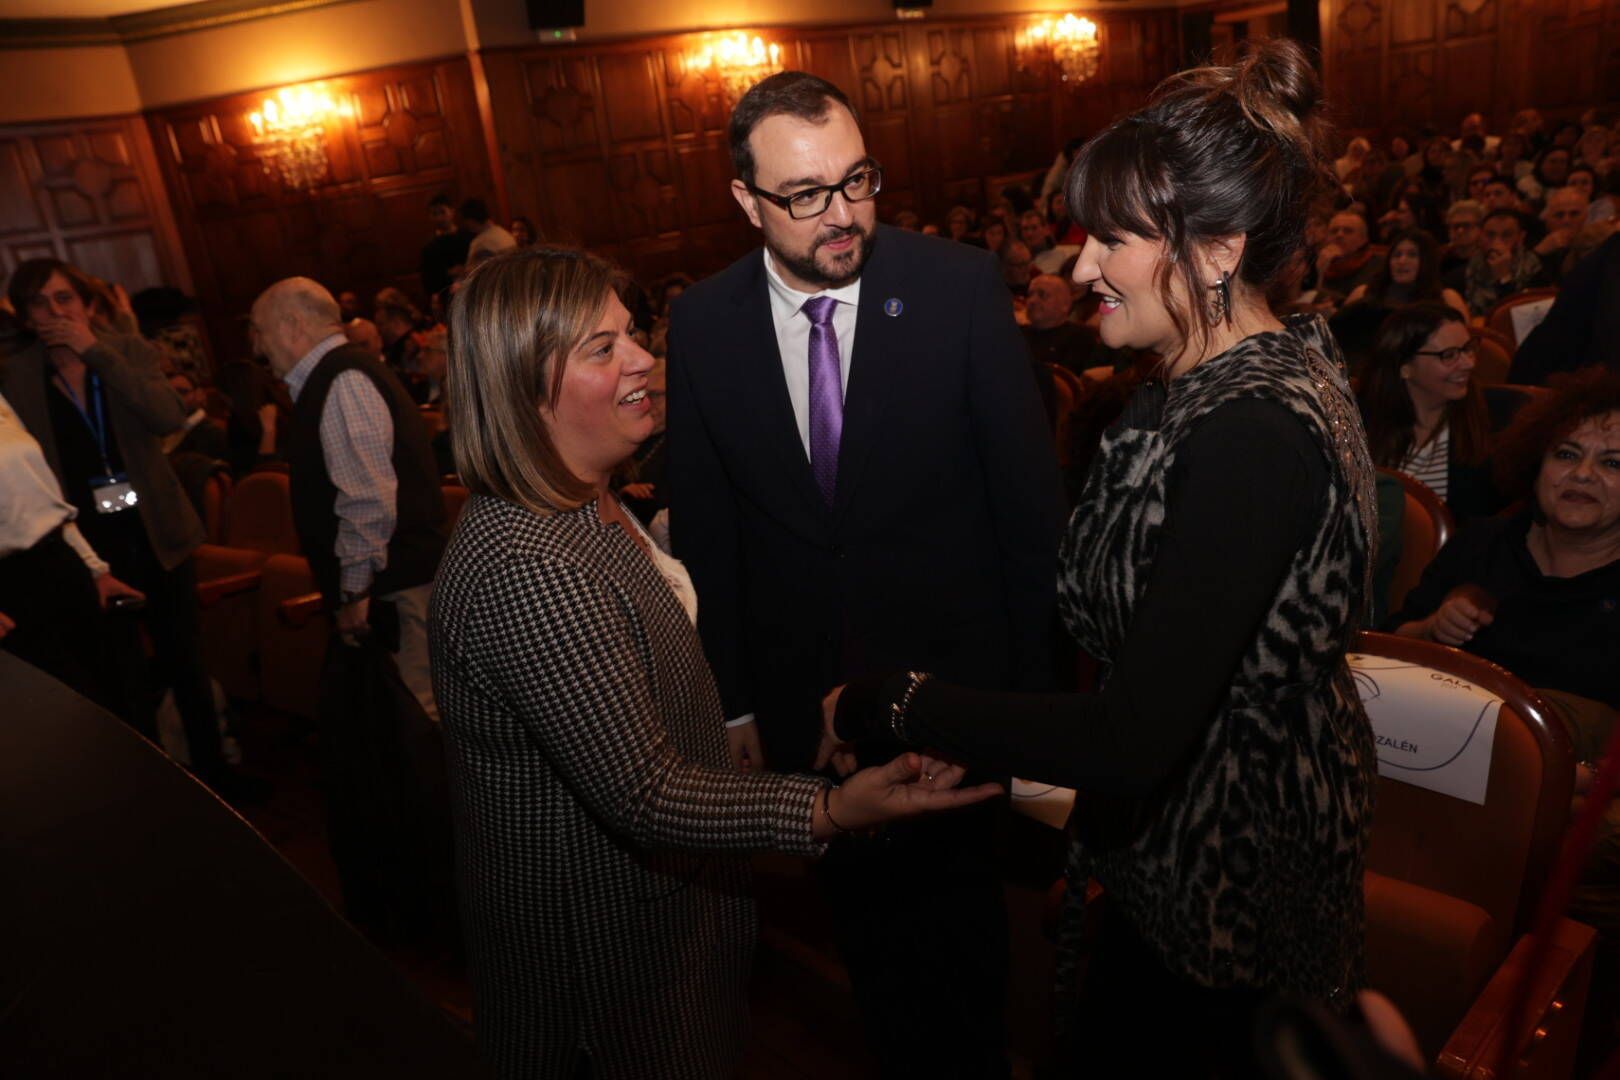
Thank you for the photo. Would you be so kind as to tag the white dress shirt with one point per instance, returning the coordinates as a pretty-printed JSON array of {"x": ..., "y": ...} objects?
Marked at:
[
  {"x": 357, "y": 440},
  {"x": 793, "y": 339},
  {"x": 31, "y": 503}
]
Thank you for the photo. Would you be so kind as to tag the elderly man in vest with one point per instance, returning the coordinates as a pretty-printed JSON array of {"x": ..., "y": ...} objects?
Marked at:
[{"x": 365, "y": 489}]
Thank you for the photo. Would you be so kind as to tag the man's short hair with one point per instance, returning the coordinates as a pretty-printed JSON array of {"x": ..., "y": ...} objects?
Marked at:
[
  {"x": 1510, "y": 215},
  {"x": 1468, "y": 208},
  {"x": 441, "y": 199},
  {"x": 787, "y": 93},
  {"x": 475, "y": 210},
  {"x": 1503, "y": 181},
  {"x": 392, "y": 302}
]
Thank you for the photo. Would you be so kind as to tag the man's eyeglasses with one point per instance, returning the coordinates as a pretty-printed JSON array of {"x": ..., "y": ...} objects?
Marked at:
[
  {"x": 1449, "y": 356},
  {"x": 813, "y": 202}
]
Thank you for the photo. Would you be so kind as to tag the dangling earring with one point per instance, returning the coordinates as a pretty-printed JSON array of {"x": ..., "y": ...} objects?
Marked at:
[{"x": 1221, "y": 304}]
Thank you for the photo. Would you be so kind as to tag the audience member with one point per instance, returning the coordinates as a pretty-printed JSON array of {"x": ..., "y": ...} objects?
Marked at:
[
  {"x": 1034, "y": 232},
  {"x": 432, "y": 358},
  {"x": 365, "y": 490},
  {"x": 958, "y": 222},
  {"x": 1016, "y": 267},
  {"x": 364, "y": 333},
  {"x": 1534, "y": 592},
  {"x": 1410, "y": 273},
  {"x": 1583, "y": 326},
  {"x": 444, "y": 256},
  {"x": 99, "y": 406},
  {"x": 1347, "y": 259},
  {"x": 908, "y": 220},
  {"x": 993, "y": 237},
  {"x": 1463, "y": 221},
  {"x": 1602, "y": 204},
  {"x": 1502, "y": 267},
  {"x": 349, "y": 305},
  {"x": 167, "y": 319},
  {"x": 1354, "y": 155},
  {"x": 523, "y": 232},
  {"x": 397, "y": 318},
  {"x": 1053, "y": 337},
  {"x": 1552, "y": 169},
  {"x": 259, "y": 406},
  {"x": 1425, "y": 414},
  {"x": 1564, "y": 216},
  {"x": 488, "y": 238},
  {"x": 199, "y": 434}
]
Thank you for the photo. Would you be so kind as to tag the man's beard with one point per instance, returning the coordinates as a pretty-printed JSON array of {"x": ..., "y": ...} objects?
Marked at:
[{"x": 804, "y": 267}]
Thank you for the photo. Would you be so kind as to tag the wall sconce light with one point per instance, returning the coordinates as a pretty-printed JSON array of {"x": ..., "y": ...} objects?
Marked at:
[
  {"x": 289, "y": 133},
  {"x": 738, "y": 61},
  {"x": 1075, "y": 48}
]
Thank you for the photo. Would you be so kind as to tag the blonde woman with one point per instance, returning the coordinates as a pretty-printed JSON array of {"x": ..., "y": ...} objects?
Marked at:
[{"x": 599, "y": 822}]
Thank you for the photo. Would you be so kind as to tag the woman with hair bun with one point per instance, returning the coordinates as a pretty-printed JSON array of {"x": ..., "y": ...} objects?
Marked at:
[{"x": 1216, "y": 564}]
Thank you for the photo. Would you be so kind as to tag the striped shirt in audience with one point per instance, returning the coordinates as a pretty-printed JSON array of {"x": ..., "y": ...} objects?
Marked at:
[{"x": 1430, "y": 462}]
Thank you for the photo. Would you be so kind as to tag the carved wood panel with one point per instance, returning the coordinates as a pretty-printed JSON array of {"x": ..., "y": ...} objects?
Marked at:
[
  {"x": 87, "y": 192},
  {"x": 620, "y": 146}
]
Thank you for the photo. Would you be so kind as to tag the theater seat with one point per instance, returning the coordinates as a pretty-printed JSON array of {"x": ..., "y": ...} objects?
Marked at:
[
  {"x": 290, "y": 653},
  {"x": 1452, "y": 886},
  {"x": 1426, "y": 525},
  {"x": 257, "y": 523}
]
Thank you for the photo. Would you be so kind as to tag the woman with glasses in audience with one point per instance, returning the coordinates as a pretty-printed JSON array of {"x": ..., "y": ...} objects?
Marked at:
[
  {"x": 1424, "y": 412},
  {"x": 1216, "y": 563},
  {"x": 601, "y": 827}
]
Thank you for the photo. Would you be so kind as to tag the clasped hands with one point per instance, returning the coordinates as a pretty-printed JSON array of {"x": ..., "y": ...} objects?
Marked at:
[{"x": 910, "y": 785}]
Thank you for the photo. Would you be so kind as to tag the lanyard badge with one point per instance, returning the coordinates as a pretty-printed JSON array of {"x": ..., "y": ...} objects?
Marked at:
[{"x": 111, "y": 492}]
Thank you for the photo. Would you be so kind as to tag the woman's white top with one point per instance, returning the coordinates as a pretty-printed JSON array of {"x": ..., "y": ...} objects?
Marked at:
[
  {"x": 31, "y": 503},
  {"x": 1431, "y": 462},
  {"x": 672, "y": 569}
]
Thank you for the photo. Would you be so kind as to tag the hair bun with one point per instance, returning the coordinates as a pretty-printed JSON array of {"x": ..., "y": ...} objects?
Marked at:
[{"x": 1277, "y": 83}]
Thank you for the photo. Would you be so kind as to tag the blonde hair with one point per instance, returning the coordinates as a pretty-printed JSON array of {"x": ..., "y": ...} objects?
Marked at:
[{"x": 513, "y": 323}]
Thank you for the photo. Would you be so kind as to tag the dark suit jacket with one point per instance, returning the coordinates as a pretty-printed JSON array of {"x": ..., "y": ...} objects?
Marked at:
[
  {"x": 1583, "y": 327},
  {"x": 142, "y": 408},
  {"x": 940, "y": 551}
]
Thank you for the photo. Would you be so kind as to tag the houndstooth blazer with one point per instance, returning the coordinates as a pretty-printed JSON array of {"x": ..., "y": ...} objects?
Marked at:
[{"x": 600, "y": 826}]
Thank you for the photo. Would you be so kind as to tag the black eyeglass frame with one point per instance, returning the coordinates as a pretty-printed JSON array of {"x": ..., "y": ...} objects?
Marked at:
[
  {"x": 1456, "y": 351},
  {"x": 826, "y": 190}
]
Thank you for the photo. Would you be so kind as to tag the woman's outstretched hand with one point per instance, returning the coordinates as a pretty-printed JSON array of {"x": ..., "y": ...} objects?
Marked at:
[{"x": 910, "y": 785}]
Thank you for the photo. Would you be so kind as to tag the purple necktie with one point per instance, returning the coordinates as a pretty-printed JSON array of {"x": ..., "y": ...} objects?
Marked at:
[{"x": 826, "y": 394}]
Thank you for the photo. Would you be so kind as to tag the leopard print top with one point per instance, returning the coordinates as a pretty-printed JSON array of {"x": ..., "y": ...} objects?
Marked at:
[{"x": 1245, "y": 868}]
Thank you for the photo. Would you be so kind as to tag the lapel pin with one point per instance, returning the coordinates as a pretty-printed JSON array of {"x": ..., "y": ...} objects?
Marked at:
[{"x": 892, "y": 307}]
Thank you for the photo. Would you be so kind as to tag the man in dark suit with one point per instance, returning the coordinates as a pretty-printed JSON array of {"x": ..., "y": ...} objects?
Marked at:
[{"x": 861, "y": 480}]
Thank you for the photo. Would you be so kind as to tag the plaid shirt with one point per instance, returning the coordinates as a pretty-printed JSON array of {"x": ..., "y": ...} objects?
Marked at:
[{"x": 357, "y": 440}]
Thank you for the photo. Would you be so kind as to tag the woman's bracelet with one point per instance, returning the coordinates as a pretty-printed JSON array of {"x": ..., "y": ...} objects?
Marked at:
[
  {"x": 898, "y": 710},
  {"x": 826, "y": 808}
]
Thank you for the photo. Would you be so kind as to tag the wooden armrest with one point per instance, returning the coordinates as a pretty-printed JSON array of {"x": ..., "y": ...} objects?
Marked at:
[
  {"x": 298, "y": 610},
  {"x": 1557, "y": 1004},
  {"x": 214, "y": 590}
]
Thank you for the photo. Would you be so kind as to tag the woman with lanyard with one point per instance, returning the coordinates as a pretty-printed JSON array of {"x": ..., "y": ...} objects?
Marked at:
[{"x": 99, "y": 406}]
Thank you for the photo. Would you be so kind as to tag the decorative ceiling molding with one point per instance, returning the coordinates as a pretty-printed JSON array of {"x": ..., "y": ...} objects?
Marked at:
[{"x": 146, "y": 25}]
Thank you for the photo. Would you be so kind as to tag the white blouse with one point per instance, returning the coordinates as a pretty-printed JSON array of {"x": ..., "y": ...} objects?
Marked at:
[
  {"x": 31, "y": 503},
  {"x": 669, "y": 567}
]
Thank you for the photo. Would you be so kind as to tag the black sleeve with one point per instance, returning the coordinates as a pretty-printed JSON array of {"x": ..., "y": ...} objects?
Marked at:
[
  {"x": 1456, "y": 563},
  {"x": 703, "y": 526},
  {"x": 1246, "y": 491},
  {"x": 1563, "y": 340}
]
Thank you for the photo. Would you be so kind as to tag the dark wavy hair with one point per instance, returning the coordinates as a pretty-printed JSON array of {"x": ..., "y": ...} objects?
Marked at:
[
  {"x": 1386, "y": 404},
  {"x": 1217, "y": 151},
  {"x": 1571, "y": 401},
  {"x": 28, "y": 281},
  {"x": 1427, "y": 286}
]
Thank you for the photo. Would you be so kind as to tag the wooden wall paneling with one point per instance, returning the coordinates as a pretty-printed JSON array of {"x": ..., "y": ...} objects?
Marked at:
[
  {"x": 414, "y": 132},
  {"x": 88, "y": 191}
]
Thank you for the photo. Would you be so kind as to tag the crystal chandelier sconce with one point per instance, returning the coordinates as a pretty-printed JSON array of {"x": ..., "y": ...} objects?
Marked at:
[
  {"x": 289, "y": 134},
  {"x": 738, "y": 61},
  {"x": 1075, "y": 48}
]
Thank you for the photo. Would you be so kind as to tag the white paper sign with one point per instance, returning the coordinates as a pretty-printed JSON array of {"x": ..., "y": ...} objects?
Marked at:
[
  {"x": 1433, "y": 730},
  {"x": 1046, "y": 803},
  {"x": 1526, "y": 317}
]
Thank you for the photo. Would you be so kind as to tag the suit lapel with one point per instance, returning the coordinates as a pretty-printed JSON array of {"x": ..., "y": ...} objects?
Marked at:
[
  {"x": 873, "y": 370},
  {"x": 764, "y": 388}
]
